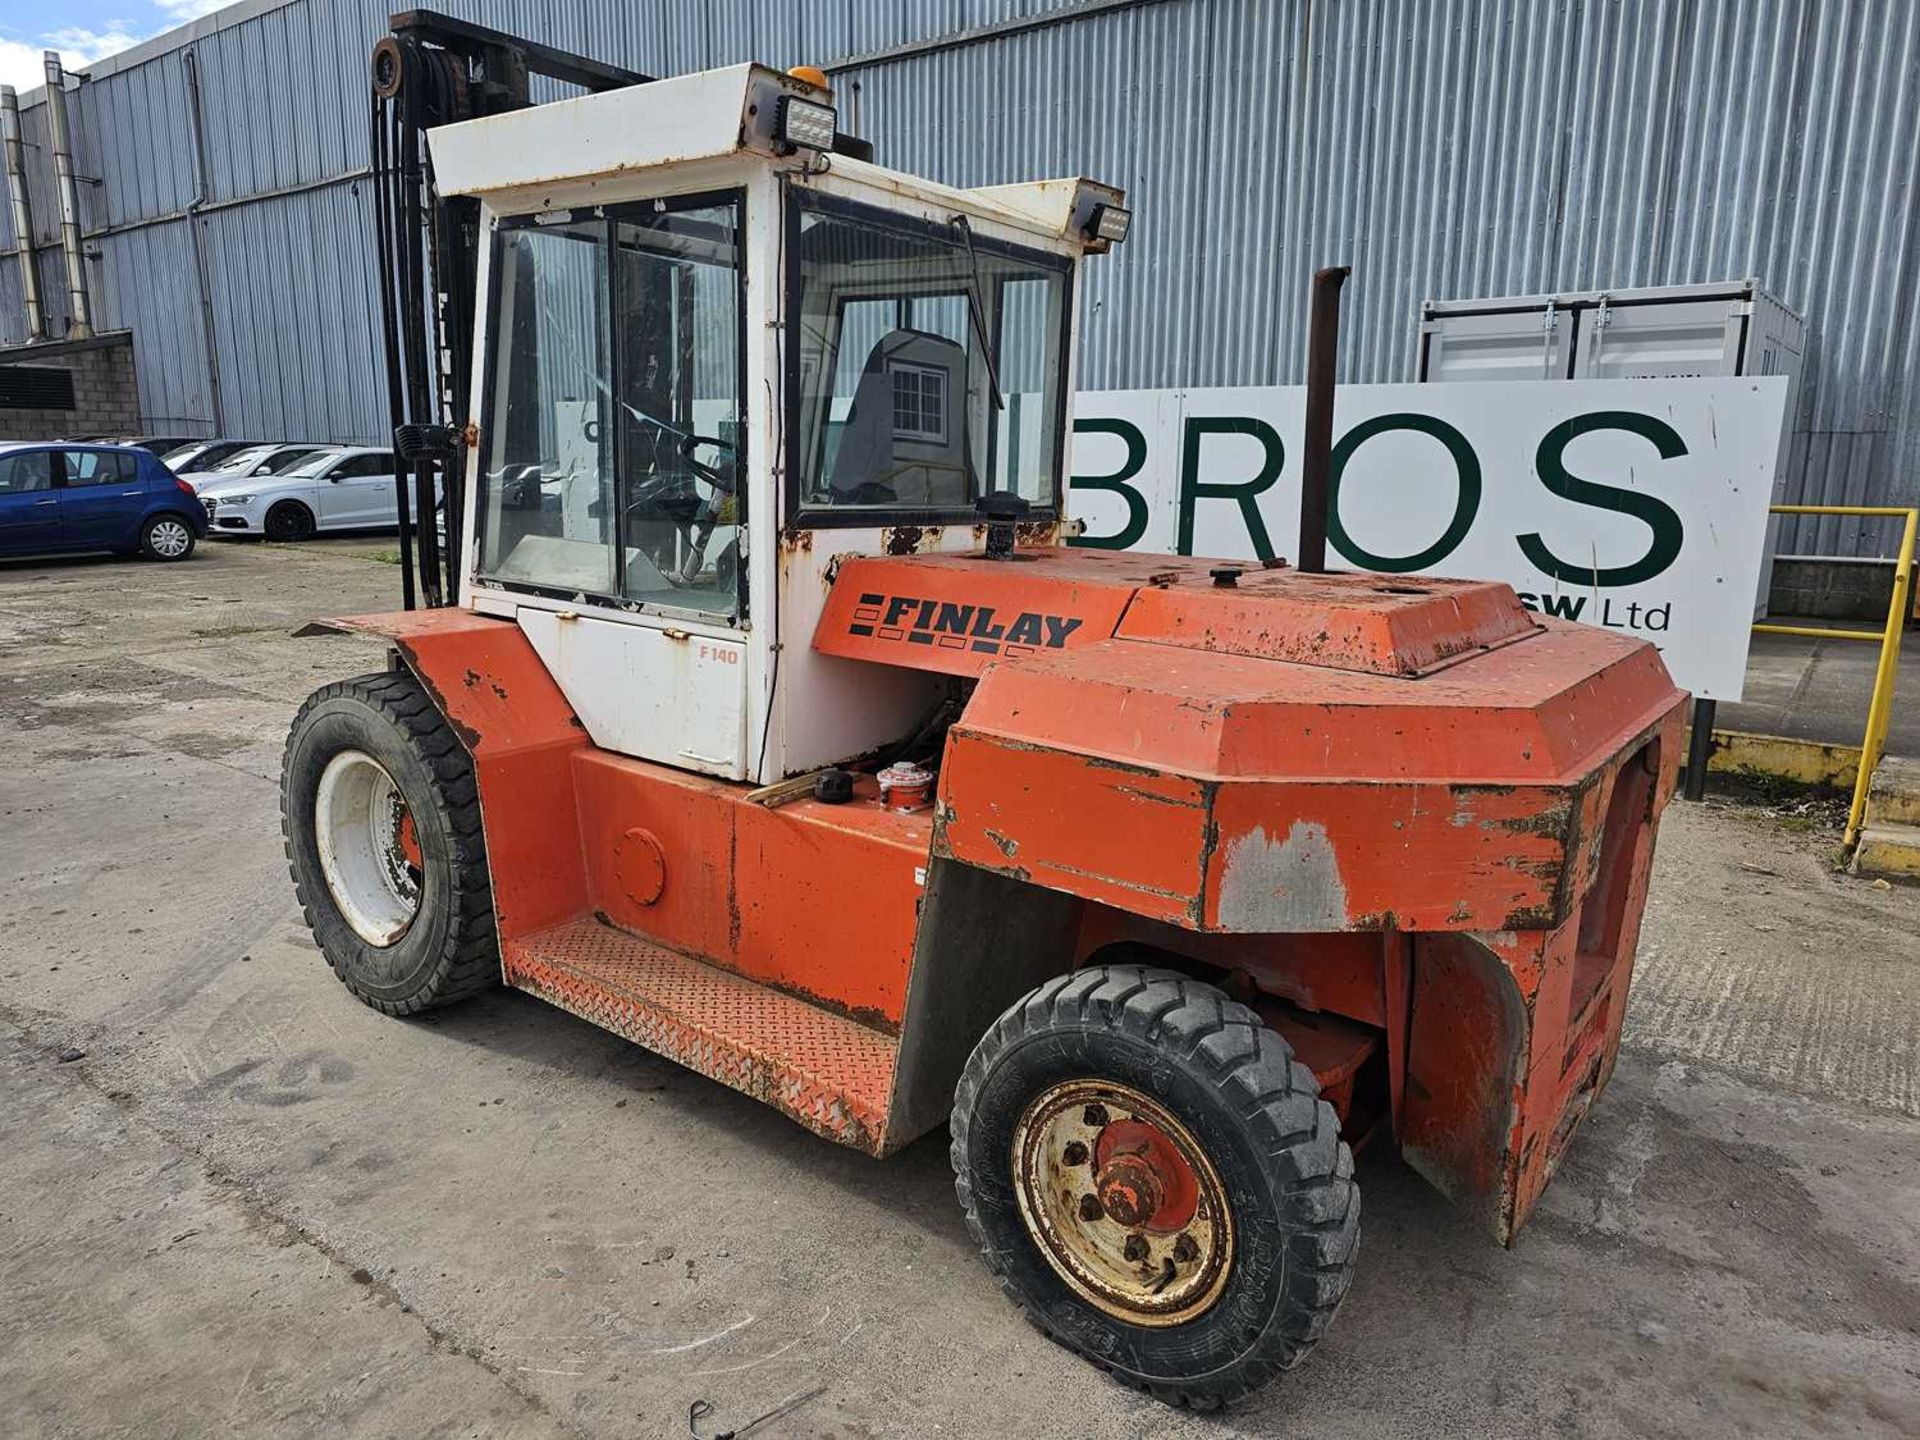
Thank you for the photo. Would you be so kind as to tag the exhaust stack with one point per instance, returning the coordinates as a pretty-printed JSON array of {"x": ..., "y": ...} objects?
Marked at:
[
  {"x": 1323, "y": 341},
  {"x": 61, "y": 135},
  {"x": 16, "y": 163}
]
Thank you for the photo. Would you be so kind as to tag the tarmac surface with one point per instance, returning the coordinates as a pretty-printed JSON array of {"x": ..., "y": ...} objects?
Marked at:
[
  {"x": 1819, "y": 689},
  {"x": 254, "y": 1207}
]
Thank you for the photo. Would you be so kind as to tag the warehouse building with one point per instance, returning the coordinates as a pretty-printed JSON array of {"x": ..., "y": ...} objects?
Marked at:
[{"x": 1456, "y": 149}]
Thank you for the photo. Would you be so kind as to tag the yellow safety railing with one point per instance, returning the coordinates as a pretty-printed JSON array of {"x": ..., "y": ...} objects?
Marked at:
[{"x": 1880, "y": 707}]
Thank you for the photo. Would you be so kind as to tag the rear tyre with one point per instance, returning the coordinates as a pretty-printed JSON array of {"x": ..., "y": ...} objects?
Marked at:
[
  {"x": 382, "y": 826},
  {"x": 166, "y": 537},
  {"x": 1155, "y": 1181},
  {"x": 289, "y": 521}
]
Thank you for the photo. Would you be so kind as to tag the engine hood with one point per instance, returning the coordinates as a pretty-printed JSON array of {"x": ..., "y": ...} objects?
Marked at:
[{"x": 960, "y": 613}]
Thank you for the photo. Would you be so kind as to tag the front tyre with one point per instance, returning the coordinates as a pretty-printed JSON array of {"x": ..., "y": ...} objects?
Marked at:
[
  {"x": 382, "y": 825},
  {"x": 1156, "y": 1182},
  {"x": 289, "y": 522}
]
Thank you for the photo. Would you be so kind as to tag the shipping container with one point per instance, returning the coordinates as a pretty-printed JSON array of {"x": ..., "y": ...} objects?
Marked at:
[{"x": 1734, "y": 327}]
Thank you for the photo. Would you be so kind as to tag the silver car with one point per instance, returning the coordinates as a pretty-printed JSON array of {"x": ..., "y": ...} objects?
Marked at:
[
  {"x": 341, "y": 487},
  {"x": 245, "y": 464}
]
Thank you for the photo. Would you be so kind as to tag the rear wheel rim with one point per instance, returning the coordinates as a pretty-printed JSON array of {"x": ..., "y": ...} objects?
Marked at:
[
  {"x": 1123, "y": 1202},
  {"x": 169, "y": 539},
  {"x": 369, "y": 850}
]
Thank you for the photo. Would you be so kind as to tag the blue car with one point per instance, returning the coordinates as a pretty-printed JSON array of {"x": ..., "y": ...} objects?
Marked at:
[{"x": 57, "y": 498}]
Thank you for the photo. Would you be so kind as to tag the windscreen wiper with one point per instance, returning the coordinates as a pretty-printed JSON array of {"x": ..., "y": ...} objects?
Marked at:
[{"x": 976, "y": 307}]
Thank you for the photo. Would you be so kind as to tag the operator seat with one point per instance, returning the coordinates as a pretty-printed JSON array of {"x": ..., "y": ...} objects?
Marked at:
[{"x": 905, "y": 441}]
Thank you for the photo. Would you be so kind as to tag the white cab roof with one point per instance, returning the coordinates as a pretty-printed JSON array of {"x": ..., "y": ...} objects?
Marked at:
[{"x": 511, "y": 159}]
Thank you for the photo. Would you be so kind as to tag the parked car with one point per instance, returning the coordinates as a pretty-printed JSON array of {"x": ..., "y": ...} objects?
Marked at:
[
  {"x": 161, "y": 444},
  {"x": 344, "y": 487},
  {"x": 203, "y": 454},
  {"x": 255, "y": 460},
  {"x": 63, "y": 498}
]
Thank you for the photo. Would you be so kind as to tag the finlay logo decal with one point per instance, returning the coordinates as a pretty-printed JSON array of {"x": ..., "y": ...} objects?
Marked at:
[{"x": 957, "y": 627}]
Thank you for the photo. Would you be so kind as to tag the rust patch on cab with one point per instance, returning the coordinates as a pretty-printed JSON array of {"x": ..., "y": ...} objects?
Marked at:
[{"x": 910, "y": 539}]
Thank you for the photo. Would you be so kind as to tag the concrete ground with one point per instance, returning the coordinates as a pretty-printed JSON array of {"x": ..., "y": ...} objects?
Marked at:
[
  {"x": 254, "y": 1207},
  {"x": 1818, "y": 689}
]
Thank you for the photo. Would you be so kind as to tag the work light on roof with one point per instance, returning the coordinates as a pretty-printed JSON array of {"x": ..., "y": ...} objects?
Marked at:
[
  {"x": 1110, "y": 223},
  {"x": 805, "y": 124}
]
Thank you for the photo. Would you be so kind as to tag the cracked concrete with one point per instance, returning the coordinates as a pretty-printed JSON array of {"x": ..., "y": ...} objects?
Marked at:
[{"x": 257, "y": 1208}]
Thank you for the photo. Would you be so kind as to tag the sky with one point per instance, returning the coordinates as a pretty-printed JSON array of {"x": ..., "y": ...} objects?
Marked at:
[{"x": 81, "y": 30}]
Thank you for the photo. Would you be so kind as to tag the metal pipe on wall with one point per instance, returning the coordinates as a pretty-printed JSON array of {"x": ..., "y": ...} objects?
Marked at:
[
  {"x": 16, "y": 164},
  {"x": 203, "y": 279},
  {"x": 60, "y": 134}
]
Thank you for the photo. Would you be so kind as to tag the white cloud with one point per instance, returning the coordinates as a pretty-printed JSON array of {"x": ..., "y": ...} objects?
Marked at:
[
  {"x": 22, "y": 67},
  {"x": 82, "y": 47}
]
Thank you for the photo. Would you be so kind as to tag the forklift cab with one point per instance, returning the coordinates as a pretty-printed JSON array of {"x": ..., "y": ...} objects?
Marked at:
[{"x": 717, "y": 357}]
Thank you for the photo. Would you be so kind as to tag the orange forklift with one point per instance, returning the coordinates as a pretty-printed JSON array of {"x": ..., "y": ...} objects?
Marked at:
[{"x": 760, "y": 710}]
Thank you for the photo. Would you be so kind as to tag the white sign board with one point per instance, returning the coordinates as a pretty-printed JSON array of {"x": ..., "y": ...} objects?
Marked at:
[{"x": 1636, "y": 504}]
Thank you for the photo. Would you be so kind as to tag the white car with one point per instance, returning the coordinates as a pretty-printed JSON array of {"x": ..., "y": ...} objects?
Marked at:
[
  {"x": 246, "y": 464},
  {"x": 340, "y": 488}
]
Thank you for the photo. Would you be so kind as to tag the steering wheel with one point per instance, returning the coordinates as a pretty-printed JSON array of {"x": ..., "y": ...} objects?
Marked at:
[
  {"x": 720, "y": 483},
  {"x": 719, "y": 479}
]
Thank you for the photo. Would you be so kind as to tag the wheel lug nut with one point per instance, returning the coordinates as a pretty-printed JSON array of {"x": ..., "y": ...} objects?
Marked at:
[
  {"x": 1136, "y": 1249},
  {"x": 1091, "y": 1209},
  {"x": 1094, "y": 1115},
  {"x": 1185, "y": 1250},
  {"x": 1075, "y": 1153}
]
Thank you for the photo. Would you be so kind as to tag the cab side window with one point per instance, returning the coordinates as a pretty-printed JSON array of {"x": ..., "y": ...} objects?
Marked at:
[
  {"x": 929, "y": 365},
  {"x": 27, "y": 471},
  {"x": 365, "y": 465}
]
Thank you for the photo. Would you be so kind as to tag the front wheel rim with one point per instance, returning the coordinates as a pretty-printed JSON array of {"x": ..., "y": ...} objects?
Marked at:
[
  {"x": 369, "y": 848},
  {"x": 1123, "y": 1202},
  {"x": 169, "y": 539}
]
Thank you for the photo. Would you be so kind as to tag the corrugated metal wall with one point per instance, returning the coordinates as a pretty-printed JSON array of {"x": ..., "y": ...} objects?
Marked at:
[{"x": 1445, "y": 148}]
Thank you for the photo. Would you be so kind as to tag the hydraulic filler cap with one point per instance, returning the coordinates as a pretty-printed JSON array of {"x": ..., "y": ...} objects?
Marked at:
[{"x": 1003, "y": 511}]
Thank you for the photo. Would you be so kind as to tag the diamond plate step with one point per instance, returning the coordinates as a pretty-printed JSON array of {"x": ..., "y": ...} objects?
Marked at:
[{"x": 832, "y": 1075}]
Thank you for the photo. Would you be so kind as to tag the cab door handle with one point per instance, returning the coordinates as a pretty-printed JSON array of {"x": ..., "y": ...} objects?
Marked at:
[{"x": 38, "y": 503}]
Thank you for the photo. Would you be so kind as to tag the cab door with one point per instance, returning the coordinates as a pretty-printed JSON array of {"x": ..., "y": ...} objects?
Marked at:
[
  {"x": 610, "y": 498},
  {"x": 29, "y": 508},
  {"x": 102, "y": 499}
]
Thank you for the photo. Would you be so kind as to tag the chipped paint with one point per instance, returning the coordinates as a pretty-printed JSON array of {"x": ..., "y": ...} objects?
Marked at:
[
  {"x": 1030, "y": 534},
  {"x": 909, "y": 539},
  {"x": 1283, "y": 886}
]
